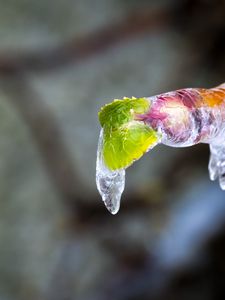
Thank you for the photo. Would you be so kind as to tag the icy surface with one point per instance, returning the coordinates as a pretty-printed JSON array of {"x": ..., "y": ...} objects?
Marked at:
[
  {"x": 110, "y": 184},
  {"x": 217, "y": 162},
  {"x": 180, "y": 123}
]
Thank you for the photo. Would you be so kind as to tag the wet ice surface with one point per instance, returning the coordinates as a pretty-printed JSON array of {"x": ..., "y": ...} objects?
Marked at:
[
  {"x": 217, "y": 162},
  {"x": 110, "y": 184}
]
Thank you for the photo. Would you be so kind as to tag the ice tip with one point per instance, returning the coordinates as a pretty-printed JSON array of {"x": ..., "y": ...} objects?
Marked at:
[
  {"x": 113, "y": 210},
  {"x": 112, "y": 205}
]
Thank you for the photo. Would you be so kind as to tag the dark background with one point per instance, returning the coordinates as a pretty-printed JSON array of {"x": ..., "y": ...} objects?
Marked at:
[{"x": 60, "y": 61}]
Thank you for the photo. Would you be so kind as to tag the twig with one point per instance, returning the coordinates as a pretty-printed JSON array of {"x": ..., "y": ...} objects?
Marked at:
[
  {"x": 83, "y": 47},
  {"x": 46, "y": 133}
]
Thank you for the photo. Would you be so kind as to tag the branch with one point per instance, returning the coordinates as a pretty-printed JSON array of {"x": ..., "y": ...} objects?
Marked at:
[
  {"x": 46, "y": 133},
  {"x": 80, "y": 48}
]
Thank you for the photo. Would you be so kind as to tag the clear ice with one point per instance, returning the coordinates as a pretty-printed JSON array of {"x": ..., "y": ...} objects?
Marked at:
[
  {"x": 217, "y": 162},
  {"x": 182, "y": 127},
  {"x": 110, "y": 184}
]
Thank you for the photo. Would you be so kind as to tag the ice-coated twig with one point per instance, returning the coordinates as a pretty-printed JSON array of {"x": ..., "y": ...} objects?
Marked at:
[{"x": 181, "y": 118}]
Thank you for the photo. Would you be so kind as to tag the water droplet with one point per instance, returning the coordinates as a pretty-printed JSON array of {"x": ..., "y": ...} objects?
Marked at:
[{"x": 110, "y": 184}]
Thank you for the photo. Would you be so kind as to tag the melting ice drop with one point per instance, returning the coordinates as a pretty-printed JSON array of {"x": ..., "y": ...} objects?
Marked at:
[{"x": 110, "y": 184}]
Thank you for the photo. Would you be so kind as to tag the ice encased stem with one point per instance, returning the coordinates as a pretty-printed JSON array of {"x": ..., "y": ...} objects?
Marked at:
[{"x": 110, "y": 184}]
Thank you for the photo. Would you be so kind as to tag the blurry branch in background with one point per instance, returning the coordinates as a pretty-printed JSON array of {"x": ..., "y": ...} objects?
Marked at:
[
  {"x": 81, "y": 48},
  {"x": 46, "y": 133}
]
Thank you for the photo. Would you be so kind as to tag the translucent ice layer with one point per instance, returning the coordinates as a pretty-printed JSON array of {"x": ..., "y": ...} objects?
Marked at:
[
  {"x": 110, "y": 184},
  {"x": 217, "y": 162},
  {"x": 133, "y": 126}
]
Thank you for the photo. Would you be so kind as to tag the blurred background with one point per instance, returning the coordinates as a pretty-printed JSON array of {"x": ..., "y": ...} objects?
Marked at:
[{"x": 60, "y": 61}]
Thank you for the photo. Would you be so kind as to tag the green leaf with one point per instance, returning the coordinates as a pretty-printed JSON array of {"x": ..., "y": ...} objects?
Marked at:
[
  {"x": 123, "y": 146},
  {"x": 125, "y": 138},
  {"x": 121, "y": 111}
]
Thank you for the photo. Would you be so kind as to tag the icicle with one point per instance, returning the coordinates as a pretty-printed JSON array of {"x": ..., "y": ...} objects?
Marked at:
[{"x": 110, "y": 184}]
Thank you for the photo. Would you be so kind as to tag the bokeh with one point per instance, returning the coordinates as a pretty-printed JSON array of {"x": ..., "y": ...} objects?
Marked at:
[{"x": 60, "y": 61}]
